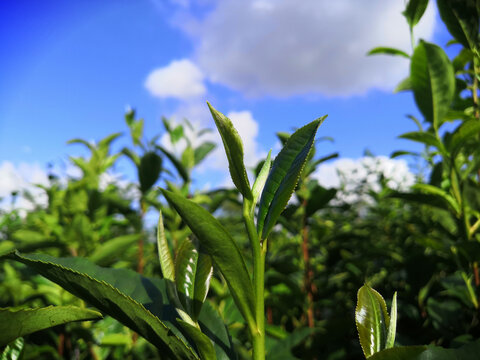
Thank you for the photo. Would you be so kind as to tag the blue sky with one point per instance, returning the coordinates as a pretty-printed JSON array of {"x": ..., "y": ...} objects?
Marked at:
[{"x": 70, "y": 69}]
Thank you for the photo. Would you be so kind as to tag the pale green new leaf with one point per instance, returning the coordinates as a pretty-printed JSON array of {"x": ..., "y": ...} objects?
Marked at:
[
  {"x": 234, "y": 150},
  {"x": 164, "y": 254},
  {"x": 219, "y": 244},
  {"x": 372, "y": 320},
  {"x": 469, "y": 129},
  {"x": 17, "y": 323},
  {"x": 392, "y": 327},
  {"x": 13, "y": 351},
  {"x": 433, "y": 82},
  {"x": 185, "y": 269},
  {"x": 203, "y": 276},
  {"x": 202, "y": 151},
  {"x": 259, "y": 183},
  {"x": 425, "y": 138},
  {"x": 284, "y": 176}
]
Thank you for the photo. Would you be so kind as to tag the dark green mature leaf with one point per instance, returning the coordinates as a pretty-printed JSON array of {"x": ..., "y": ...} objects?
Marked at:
[
  {"x": 213, "y": 326},
  {"x": 182, "y": 171},
  {"x": 462, "y": 20},
  {"x": 424, "y": 199},
  {"x": 468, "y": 130},
  {"x": 234, "y": 150},
  {"x": 319, "y": 198},
  {"x": 433, "y": 82},
  {"x": 202, "y": 341},
  {"x": 388, "y": 51},
  {"x": 185, "y": 269},
  {"x": 149, "y": 170},
  {"x": 466, "y": 352},
  {"x": 372, "y": 320},
  {"x": 202, "y": 151},
  {"x": 414, "y": 11},
  {"x": 123, "y": 294},
  {"x": 281, "y": 349},
  {"x": 17, "y": 323},
  {"x": 284, "y": 176},
  {"x": 113, "y": 249},
  {"x": 202, "y": 282},
  {"x": 219, "y": 244}
]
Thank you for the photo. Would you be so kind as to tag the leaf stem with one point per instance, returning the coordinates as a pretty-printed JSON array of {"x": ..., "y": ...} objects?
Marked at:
[{"x": 258, "y": 251}]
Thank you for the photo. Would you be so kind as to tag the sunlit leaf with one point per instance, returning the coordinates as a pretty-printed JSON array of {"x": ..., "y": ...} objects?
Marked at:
[
  {"x": 414, "y": 11},
  {"x": 372, "y": 320},
  {"x": 283, "y": 177},
  {"x": 388, "y": 51},
  {"x": 234, "y": 149},
  {"x": 219, "y": 244}
]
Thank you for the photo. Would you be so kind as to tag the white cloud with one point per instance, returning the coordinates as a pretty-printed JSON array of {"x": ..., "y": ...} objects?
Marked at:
[
  {"x": 290, "y": 47},
  {"x": 355, "y": 177},
  {"x": 180, "y": 79},
  {"x": 19, "y": 178}
]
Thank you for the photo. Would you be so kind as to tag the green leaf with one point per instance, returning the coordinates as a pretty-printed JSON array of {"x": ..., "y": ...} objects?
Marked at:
[
  {"x": 202, "y": 341},
  {"x": 392, "y": 327},
  {"x": 433, "y": 82},
  {"x": 372, "y": 320},
  {"x": 188, "y": 157},
  {"x": 319, "y": 198},
  {"x": 436, "y": 191},
  {"x": 113, "y": 249},
  {"x": 17, "y": 323},
  {"x": 133, "y": 300},
  {"x": 434, "y": 200},
  {"x": 164, "y": 254},
  {"x": 182, "y": 171},
  {"x": 219, "y": 244},
  {"x": 13, "y": 350},
  {"x": 404, "y": 85},
  {"x": 202, "y": 151},
  {"x": 259, "y": 183},
  {"x": 284, "y": 176},
  {"x": 467, "y": 352},
  {"x": 149, "y": 170},
  {"x": 203, "y": 276},
  {"x": 461, "y": 19},
  {"x": 132, "y": 156},
  {"x": 281, "y": 349},
  {"x": 425, "y": 138},
  {"x": 185, "y": 269},
  {"x": 388, "y": 51},
  {"x": 176, "y": 134},
  {"x": 466, "y": 131},
  {"x": 414, "y": 11},
  {"x": 234, "y": 150}
]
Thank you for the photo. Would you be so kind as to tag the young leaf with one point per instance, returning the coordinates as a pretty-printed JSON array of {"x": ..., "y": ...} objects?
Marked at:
[
  {"x": 164, "y": 254},
  {"x": 404, "y": 85},
  {"x": 128, "y": 297},
  {"x": 261, "y": 179},
  {"x": 392, "y": 327},
  {"x": 13, "y": 351},
  {"x": 202, "y": 342},
  {"x": 372, "y": 320},
  {"x": 202, "y": 282},
  {"x": 185, "y": 269},
  {"x": 182, "y": 171},
  {"x": 388, "y": 51},
  {"x": 414, "y": 11},
  {"x": 433, "y": 82},
  {"x": 284, "y": 176},
  {"x": 17, "y": 323},
  {"x": 219, "y": 244},
  {"x": 234, "y": 150}
]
